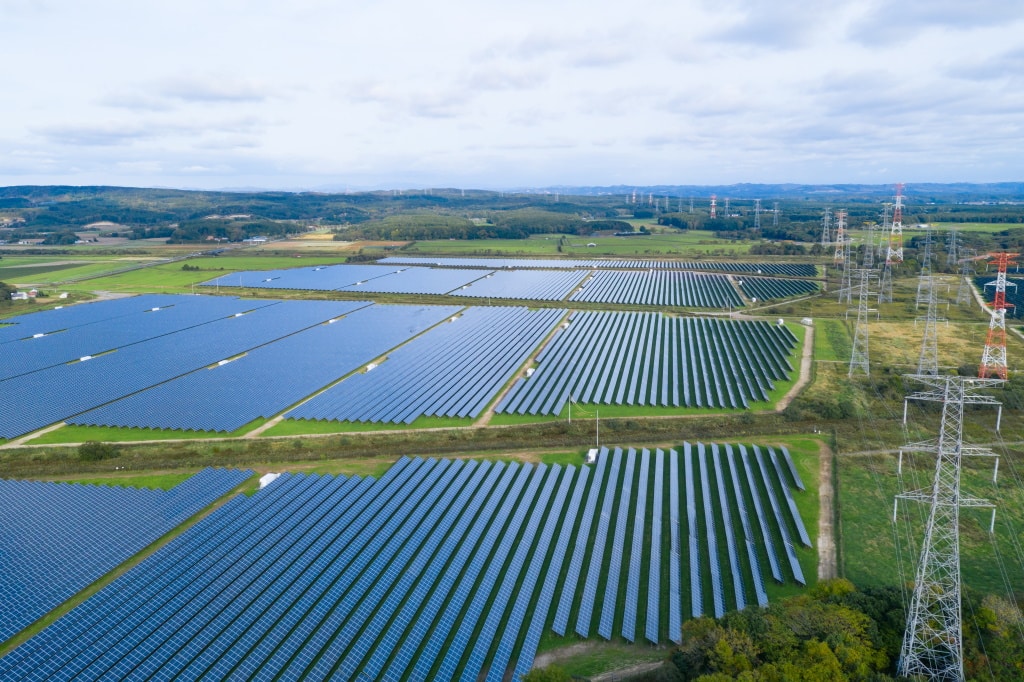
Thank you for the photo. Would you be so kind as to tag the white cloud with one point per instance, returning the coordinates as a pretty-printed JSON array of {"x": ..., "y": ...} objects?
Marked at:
[{"x": 219, "y": 93}]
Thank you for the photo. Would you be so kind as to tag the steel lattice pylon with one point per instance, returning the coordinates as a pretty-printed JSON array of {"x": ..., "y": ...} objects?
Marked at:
[
  {"x": 842, "y": 246},
  {"x": 993, "y": 359},
  {"x": 928, "y": 360},
  {"x": 963, "y": 294},
  {"x": 926, "y": 268},
  {"x": 859, "y": 356},
  {"x": 826, "y": 228},
  {"x": 933, "y": 641},
  {"x": 885, "y": 288},
  {"x": 895, "y": 251}
]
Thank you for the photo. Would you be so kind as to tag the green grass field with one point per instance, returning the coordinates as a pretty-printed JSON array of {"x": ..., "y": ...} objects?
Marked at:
[
  {"x": 170, "y": 278},
  {"x": 867, "y": 486},
  {"x": 72, "y": 433},
  {"x": 689, "y": 244}
]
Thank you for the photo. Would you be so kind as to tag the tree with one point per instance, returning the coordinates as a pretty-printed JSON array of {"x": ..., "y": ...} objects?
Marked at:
[{"x": 5, "y": 291}]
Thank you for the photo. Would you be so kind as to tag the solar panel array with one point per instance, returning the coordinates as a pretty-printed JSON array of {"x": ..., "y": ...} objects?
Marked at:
[
  {"x": 58, "y": 538},
  {"x": 790, "y": 269},
  {"x": 441, "y": 569},
  {"x": 764, "y": 288},
  {"x": 454, "y": 370},
  {"x": 665, "y": 283},
  {"x": 651, "y": 359},
  {"x": 534, "y": 285},
  {"x": 659, "y": 287},
  {"x": 270, "y": 378},
  {"x": 311, "y": 278},
  {"x": 42, "y": 397}
]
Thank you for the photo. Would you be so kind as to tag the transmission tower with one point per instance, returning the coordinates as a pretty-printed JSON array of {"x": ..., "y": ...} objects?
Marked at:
[
  {"x": 993, "y": 360},
  {"x": 826, "y": 228},
  {"x": 757, "y": 214},
  {"x": 963, "y": 294},
  {"x": 691, "y": 204},
  {"x": 952, "y": 247},
  {"x": 775, "y": 214},
  {"x": 840, "y": 236},
  {"x": 928, "y": 360},
  {"x": 859, "y": 356},
  {"x": 926, "y": 268},
  {"x": 869, "y": 248},
  {"x": 894, "y": 254},
  {"x": 727, "y": 214},
  {"x": 933, "y": 641},
  {"x": 714, "y": 214}
]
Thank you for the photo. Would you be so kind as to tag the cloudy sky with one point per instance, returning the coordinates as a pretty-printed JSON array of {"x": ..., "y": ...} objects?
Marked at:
[{"x": 472, "y": 93}]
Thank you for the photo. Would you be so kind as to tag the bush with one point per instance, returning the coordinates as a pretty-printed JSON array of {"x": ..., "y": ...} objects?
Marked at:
[{"x": 92, "y": 451}]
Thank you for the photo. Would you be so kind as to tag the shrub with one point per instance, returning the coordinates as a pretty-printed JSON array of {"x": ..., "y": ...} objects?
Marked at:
[{"x": 92, "y": 451}]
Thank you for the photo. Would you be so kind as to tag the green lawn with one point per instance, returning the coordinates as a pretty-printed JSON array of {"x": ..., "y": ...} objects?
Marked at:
[
  {"x": 297, "y": 427},
  {"x": 867, "y": 486},
  {"x": 171, "y": 277},
  {"x": 72, "y": 433},
  {"x": 692, "y": 244}
]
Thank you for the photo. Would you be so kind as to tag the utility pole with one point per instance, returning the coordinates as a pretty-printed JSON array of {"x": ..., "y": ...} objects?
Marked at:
[
  {"x": 859, "y": 356},
  {"x": 933, "y": 640}
]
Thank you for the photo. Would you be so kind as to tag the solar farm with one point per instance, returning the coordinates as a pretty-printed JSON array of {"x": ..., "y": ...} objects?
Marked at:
[
  {"x": 433, "y": 568},
  {"x": 441, "y": 569},
  {"x": 225, "y": 362},
  {"x": 650, "y": 283}
]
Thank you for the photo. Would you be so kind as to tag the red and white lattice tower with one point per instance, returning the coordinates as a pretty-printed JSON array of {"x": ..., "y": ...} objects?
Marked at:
[
  {"x": 714, "y": 213},
  {"x": 993, "y": 360},
  {"x": 895, "y": 251}
]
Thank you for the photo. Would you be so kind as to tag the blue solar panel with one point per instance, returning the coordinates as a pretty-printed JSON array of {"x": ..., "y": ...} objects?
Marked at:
[
  {"x": 126, "y": 329},
  {"x": 58, "y": 538},
  {"x": 597, "y": 551},
  {"x": 646, "y": 358},
  {"x": 34, "y": 400},
  {"x": 791, "y": 269},
  {"x": 762, "y": 517},
  {"x": 509, "y": 584},
  {"x": 581, "y": 547},
  {"x": 730, "y": 536},
  {"x": 270, "y": 378},
  {"x": 675, "y": 599},
  {"x": 439, "y": 569},
  {"x": 780, "y": 520},
  {"x": 526, "y": 655},
  {"x": 636, "y": 552},
  {"x": 454, "y": 370}
]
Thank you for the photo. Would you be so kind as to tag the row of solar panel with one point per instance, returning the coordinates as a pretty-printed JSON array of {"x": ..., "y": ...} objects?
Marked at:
[
  {"x": 765, "y": 288},
  {"x": 272, "y": 377},
  {"x": 648, "y": 287},
  {"x": 659, "y": 287},
  {"x": 223, "y": 373},
  {"x": 651, "y": 359},
  {"x": 790, "y": 269},
  {"x": 429, "y": 573},
  {"x": 33, "y": 400},
  {"x": 453, "y": 371},
  {"x": 58, "y": 538}
]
